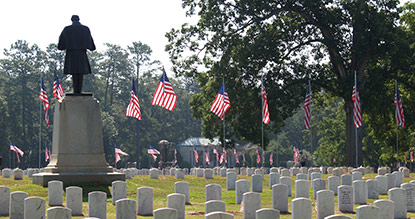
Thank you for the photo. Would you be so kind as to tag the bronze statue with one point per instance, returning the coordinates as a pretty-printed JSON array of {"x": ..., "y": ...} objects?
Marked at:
[{"x": 76, "y": 39}]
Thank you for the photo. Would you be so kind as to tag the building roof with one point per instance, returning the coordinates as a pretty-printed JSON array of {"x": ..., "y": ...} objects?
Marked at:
[{"x": 199, "y": 142}]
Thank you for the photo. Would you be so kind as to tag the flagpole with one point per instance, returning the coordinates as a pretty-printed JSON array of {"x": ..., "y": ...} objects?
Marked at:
[
  {"x": 357, "y": 148},
  {"x": 262, "y": 118},
  {"x": 224, "y": 136},
  {"x": 397, "y": 134},
  {"x": 311, "y": 124},
  {"x": 40, "y": 122}
]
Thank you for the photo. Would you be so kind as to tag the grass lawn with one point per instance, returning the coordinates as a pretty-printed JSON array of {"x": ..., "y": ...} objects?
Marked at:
[{"x": 165, "y": 185}]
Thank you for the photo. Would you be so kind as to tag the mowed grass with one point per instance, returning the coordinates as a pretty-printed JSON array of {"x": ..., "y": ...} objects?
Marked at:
[{"x": 165, "y": 186}]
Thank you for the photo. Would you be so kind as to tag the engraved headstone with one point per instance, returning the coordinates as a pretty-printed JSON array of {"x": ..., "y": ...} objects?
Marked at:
[
  {"x": 372, "y": 189},
  {"x": 97, "y": 204},
  {"x": 242, "y": 186},
  {"x": 34, "y": 208},
  {"x": 325, "y": 203},
  {"x": 302, "y": 189},
  {"x": 398, "y": 196},
  {"x": 382, "y": 184},
  {"x": 345, "y": 198},
  {"x": 346, "y": 179},
  {"x": 333, "y": 183},
  {"x": 55, "y": 193},
  {"x": 144, "y": 201},
  {"x": 410, "y": 196},
  {"x": 360, "y": 192},
  {"x": 301, "y": 208},
  {"x": 213, "y": 192},
  {"x": 280, "y": 197},
  {"x": 16, "y": 210},
  {"x": 74, "y": 200}
]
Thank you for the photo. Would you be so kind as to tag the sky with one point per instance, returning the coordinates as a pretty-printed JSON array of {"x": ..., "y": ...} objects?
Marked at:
[{"x": 118, "y": 22}]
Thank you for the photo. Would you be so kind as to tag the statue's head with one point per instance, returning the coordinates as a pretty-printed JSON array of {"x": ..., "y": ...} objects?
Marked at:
[{"x": 75, "y": 18}]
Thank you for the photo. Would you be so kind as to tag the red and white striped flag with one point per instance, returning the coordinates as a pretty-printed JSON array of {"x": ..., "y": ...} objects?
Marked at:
[
  {"x": 196, "y": 156},
  {"x": 133, "y": 109},
  {"x": 399, "y": 117},
  {"x": 357, "y": 115},
  {"x": 153, "y": 152},
  {"x": 271, "y": 159},
  {"x": 44, "y": 98},
  {"x": 221, "y": 158},
  {"x": 216, "y": 152},
  {"x": 307, "y": 104},
  {"x": 265, "y": 111},
  {"x": 243, "y": 159},
  {"x": 258, "y": 157},
  {"x": 17, "y": 150},
  {"x": 412, "y": 156},
  {"x": 236, "y": 156},
  {"x": 47, "y": 155},
  {"x": 175, "y": 156},
  {"x": 118, "y": 151},
  {"x": 225, "y": 155},
  {"x": 221, "y": 103},
  {"x": 57, "y": 89},
  {"x": 164, "y": 95},
  {"x": 207, "y": 157},
  {"x": 296, "y": 154}
]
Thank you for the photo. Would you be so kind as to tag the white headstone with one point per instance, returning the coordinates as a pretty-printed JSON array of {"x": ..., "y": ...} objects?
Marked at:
[
  {"x": 259, "y": 172},
  {"x": 173, "y": 172},
  {"x": 208, "y": 173},
  {"x": 398, "y": 178},
  {"x": 59, "y": 213},
  {"x": 301, "y": 208},
  {"x": 230, "y": 180},
  {"x": 302, "y": 189},
  {"x": 267, "y": 213},
  {"x": 346, "y": 179},
  {"x": 286, "y": 181},
  {"x": 391, "y": 180},
  {"x": 406, "y": 172},
  {"x": 18, "y": 174},
  {"x": 256, "y": 183},
  {"x": 125, "y": 209},
  {"x": 219, "y": 215},
  {"x": 337, "y": 172},
  {"x": 97, "y": 204},
  {"x": 274, "y": 178},
  {"x": 252, "y": 203},
  {"x": 372, "y": 189},
  {"x": 274, "y": 170},
  {"x": 318, "y": 184},
  {"x": 386, "y": 208},
  {"x": 34, "y": 208},
  {"x": 4, "y": 200},
  {"x": 213, "y": 192},
  {"x": 382, "y": 184},
  {"x": 398, "y": 196},
  {"x": 55, "y": 193},
  {"x": 214, "y": 205},
  {"x": 177, "y": 201},
  {"x": 17, "y": 204},
  {"x": 302, "y": 176},
  {"x": 242, "y": 186},
  {"x": 410, "y": 196},
  {"x": 325, "y": 203},
  {"x": 285, "y": 172},
  {"x": 6, "y": 173},
  {"x": 333, "y": 183},
  {"x": 200, "y": 172},
  {"x": 182, "y": 188},
  {"x": 243, "y": 171},
  {"x": 154, "y": 173},
  {"x": 345, "y": 198},
  {"x": 179, "y": 174},
  {"x": 382, "y": 171},
  {"x": 74, "y": 200},
  {"x": 165, "y": 213},
  {"x": 145, "y": 201},
  {"x": 360, "y": 192},
  {"x": 222, "y": 172},
  {"x": 338, "y": 216},
  {"x": 280, "y": 197},
  {"x": 119, "y": 190},
  {"x": 249, "y": 171},
  {"x": 356, "y": 176},
  {"x": 367, "y": 212},
  {"x": 314, "y": 175}
]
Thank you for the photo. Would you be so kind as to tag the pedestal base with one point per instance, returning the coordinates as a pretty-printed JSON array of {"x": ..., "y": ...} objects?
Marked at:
[{"x": 77, "y": 178}]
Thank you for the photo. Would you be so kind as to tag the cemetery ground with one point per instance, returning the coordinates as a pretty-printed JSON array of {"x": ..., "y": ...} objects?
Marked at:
[{"x": 165, "y": 186}]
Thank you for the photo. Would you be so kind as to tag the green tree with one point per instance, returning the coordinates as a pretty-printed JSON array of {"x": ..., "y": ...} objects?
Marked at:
[{"x": 288, "y": 41}]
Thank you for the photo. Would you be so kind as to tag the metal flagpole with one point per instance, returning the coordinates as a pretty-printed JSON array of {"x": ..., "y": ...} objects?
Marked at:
[
  {"x": 40, "y": 123},
  {"x": 397, "y": 134},
  {"x": 357, "y": 152},
  {"x": 223, "y": 107},
  {"x": 262, "y": 118},
  {"x": 311, "y": 124}
]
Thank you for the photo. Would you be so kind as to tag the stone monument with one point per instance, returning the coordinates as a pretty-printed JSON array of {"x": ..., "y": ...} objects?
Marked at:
[
  {"x": 77, "y": 145},
  {"x": 164, "y": 152}
]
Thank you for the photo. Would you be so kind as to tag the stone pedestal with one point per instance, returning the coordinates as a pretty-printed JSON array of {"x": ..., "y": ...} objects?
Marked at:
[{"x": 77, "y": 145}]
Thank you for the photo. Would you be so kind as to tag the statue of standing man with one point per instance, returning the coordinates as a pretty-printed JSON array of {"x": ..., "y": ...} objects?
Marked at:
[{"x": 76, "y": 39}]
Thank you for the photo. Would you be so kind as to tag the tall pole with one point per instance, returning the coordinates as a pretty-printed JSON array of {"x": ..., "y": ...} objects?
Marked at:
[
  {"x": 262, "y": 118},
  {"x": 357, "y": 149},
  {"x": 40, "y": 124},
  {"x": 223, "y": 105},
  {"x": 137, "y": 126},
  {"x": 311, "y": 124},
  {"x": 397, "y": 134}
]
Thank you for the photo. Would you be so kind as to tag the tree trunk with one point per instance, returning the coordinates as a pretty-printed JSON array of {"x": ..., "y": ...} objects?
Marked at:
[{"x": 351, "y": 137}]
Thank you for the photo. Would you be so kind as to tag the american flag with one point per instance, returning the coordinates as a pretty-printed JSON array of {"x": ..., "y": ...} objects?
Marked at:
[
  {"x": 412, "y": 156},
  {"x": 271, "y": 160},
  {"x": 258, "y": 157},
  {"x": 243, "y": 159},
  {"x": 133, "y": 109},
  {"x": 307, "y": 103},
  {"x": 154, "y": 152},
  {"x": 357, "y": 115},
  {"x": 265, "y": 111},
  {"x": 225, "y": 155},
  {"x": 221, "y": 103},
  {"x": 296, "y": 154},
  {"x": 196, "y": 156},
  {"x": 216, "y": 152},
  {"x": 47, "y": 154},
  {"x": 236, "y": 156},
  {"x": 118, "y": 151},
  {"x": 221, "y": 158},
  {"x": 164, "y": 95},
  {"x": 57, "y": 89},
  {"x": 44, "y": 98},
  {"x": 399, "y": 117},
  {"x": 17, "y": 150},
  {"x": 175, "y": 156},
  {"x": 207, "y": 157}
]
